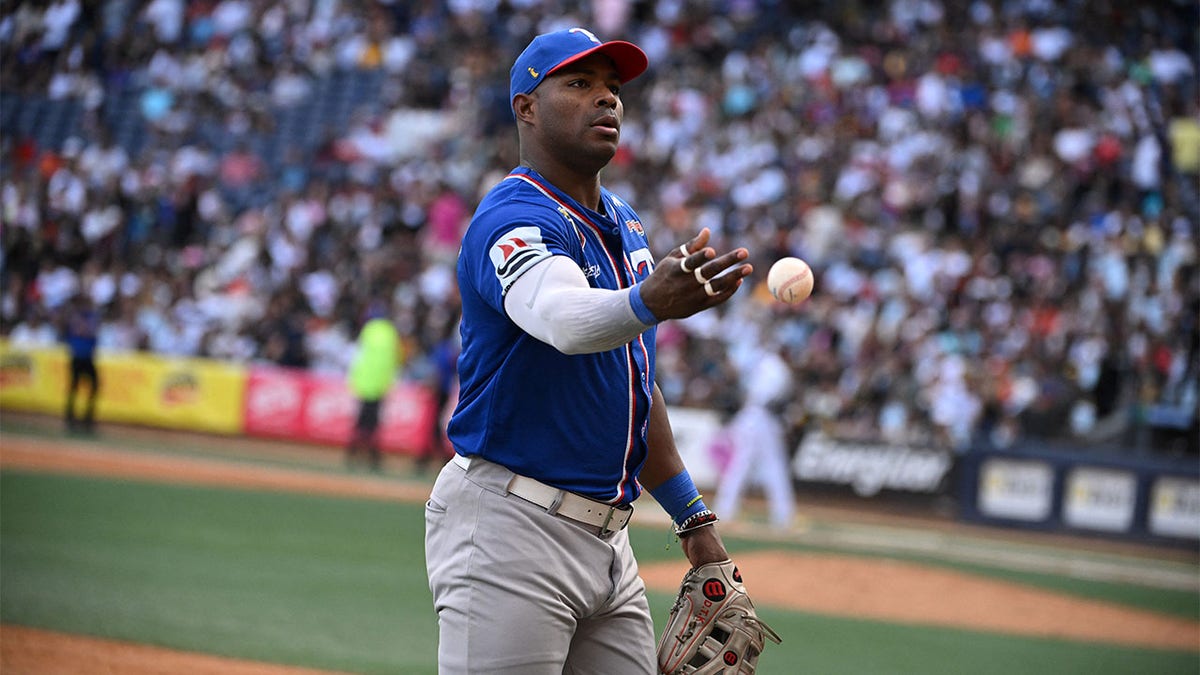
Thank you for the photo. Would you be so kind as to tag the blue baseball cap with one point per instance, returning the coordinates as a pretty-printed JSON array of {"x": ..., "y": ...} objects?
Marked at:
[{"x": 550, "y": 51}]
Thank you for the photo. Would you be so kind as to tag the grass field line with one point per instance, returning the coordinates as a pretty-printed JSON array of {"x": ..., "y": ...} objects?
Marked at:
[
  {"x": 96, "y": 460},
  {"x": 1002, "y": 552},
  {"x": 1011, "y": 555},
  {"x": 101, "y": 457}
]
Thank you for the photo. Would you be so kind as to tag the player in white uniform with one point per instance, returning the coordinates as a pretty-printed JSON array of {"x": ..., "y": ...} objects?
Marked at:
[{"x": 759, "y": 443}]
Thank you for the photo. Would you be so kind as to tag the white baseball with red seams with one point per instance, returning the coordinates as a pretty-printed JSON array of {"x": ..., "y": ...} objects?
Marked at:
[{"x": 790, "y": 280}]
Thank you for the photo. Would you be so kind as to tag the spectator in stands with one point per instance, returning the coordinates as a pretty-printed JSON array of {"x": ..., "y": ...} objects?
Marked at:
[
  {"x": 282, "y": 334},
  {"x": 35, "y": 331},
  {"x": 936, "y": 162},
  {"x": 240, "y": 173}
]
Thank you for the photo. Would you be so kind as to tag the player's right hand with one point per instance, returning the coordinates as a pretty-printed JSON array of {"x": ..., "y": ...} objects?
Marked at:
[{"x": 693, "y": 277}]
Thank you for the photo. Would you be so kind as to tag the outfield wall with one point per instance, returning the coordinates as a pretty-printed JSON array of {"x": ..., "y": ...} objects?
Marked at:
[
  {"x": 1133, "y": 496},
  {"x": 215, "y": 397},
  {"x": 1044, "y": 488}
]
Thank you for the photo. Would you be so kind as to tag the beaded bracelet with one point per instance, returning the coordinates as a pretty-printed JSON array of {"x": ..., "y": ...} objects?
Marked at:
[{"x": 701, "y": 519}]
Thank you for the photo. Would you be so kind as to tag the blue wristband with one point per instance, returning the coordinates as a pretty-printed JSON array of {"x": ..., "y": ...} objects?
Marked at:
[
  {"x": 679, "y": 497},
  {"x": 640, "y": 310}
]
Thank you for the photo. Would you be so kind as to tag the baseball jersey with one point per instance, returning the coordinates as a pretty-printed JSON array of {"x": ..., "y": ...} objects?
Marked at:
[
  {"x": 80, "y": 334},
  {"x": 576, "y": 422}
]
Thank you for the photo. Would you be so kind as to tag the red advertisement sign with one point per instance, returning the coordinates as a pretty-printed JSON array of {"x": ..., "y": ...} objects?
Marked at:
[{"x": 297, "y": 405}]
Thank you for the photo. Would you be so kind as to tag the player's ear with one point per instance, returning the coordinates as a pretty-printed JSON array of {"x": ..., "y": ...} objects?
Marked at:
[{"x": 523, "y": 105}]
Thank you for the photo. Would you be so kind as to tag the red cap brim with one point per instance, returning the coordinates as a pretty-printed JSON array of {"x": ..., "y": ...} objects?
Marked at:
[{"x": 628, "y": 58}]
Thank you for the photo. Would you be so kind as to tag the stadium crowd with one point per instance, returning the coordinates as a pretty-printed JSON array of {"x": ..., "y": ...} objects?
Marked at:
[{"x": 999, "y": 197}]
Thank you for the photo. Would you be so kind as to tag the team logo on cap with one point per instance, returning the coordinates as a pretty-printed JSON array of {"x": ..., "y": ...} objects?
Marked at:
[
  {"x": 532, "y": 72},
  {"x": 586, "y": 32}
]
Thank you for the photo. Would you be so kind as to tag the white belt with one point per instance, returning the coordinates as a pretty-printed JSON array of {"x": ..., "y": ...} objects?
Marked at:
[{"x": 567, "y": 504}]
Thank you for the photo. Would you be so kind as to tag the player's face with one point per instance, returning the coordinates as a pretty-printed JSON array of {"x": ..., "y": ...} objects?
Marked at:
[{"x": 580, "y": 111}]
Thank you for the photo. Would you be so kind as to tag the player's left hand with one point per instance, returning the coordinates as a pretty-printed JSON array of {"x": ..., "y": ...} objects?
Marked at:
[
  {"x": 693, "y": 278},
  {"x": 713, "y": 627}
]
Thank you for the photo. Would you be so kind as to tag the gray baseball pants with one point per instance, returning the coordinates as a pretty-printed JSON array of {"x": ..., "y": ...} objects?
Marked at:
[{"x": 520, "y": 591}]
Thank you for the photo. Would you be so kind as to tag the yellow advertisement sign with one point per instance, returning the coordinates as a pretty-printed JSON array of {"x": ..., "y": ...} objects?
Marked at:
[
  {"x": 33, "y": 379},
  {"x": 176, "y": 393}
]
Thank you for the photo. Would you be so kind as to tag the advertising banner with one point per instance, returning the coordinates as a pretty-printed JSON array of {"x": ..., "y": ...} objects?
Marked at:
[
  {"x": 191, "y": 394},
  {"x": 1175, "y": 507},
  {"x": 870, "y": 467},
  {"x": 1100, "y": 499},
  {"x": 1128, "y": 495},
  {"x": 1016, "y": 489},
  {"x": 33, "y": 380},
  {"x": 297, "y": 405},
  {"x": 274, "y": 402}
]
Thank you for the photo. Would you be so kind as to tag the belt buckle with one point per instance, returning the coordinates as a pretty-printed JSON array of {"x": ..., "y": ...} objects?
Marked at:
[{"x": 604, "y": 531}]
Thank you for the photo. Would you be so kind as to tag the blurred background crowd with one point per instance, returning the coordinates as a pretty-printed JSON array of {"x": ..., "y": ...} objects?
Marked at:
[{"x": 1000, "y": 198}]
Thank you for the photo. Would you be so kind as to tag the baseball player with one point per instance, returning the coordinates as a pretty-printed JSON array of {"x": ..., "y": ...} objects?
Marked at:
[
  {"x": 760, "y": 442},
  {"x": 80, "y": 327},
  {"x": 560, "y": 424}
]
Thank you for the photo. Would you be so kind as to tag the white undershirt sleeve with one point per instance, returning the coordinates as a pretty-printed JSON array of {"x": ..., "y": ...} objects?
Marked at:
[{"x": 553, "y": 302}]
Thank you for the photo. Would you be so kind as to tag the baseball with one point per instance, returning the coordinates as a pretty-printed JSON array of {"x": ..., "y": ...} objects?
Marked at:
[{"x": 790, "y": 280}]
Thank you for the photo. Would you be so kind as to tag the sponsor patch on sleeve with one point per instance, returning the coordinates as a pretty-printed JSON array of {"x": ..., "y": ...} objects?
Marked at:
[
  {"x": 642, "y": 261},
  {"x": 515, "y": 252}
]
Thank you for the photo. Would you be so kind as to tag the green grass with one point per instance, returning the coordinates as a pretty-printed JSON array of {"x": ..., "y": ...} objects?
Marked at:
[
  {"x": 340, "y": 584},
  {"x": 839, "y": 646},
  {"x": 326, "y": 583},
  {"x": 650, "y": 546}
]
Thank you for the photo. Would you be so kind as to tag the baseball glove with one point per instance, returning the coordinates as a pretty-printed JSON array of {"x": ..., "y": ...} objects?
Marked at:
[{"x": 713, "y": 626}]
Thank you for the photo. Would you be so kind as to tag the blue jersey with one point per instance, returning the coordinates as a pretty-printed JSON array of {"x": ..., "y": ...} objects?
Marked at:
[
  {"x": 81, "y": 333},
  {"x": 582, "y": 429}
]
